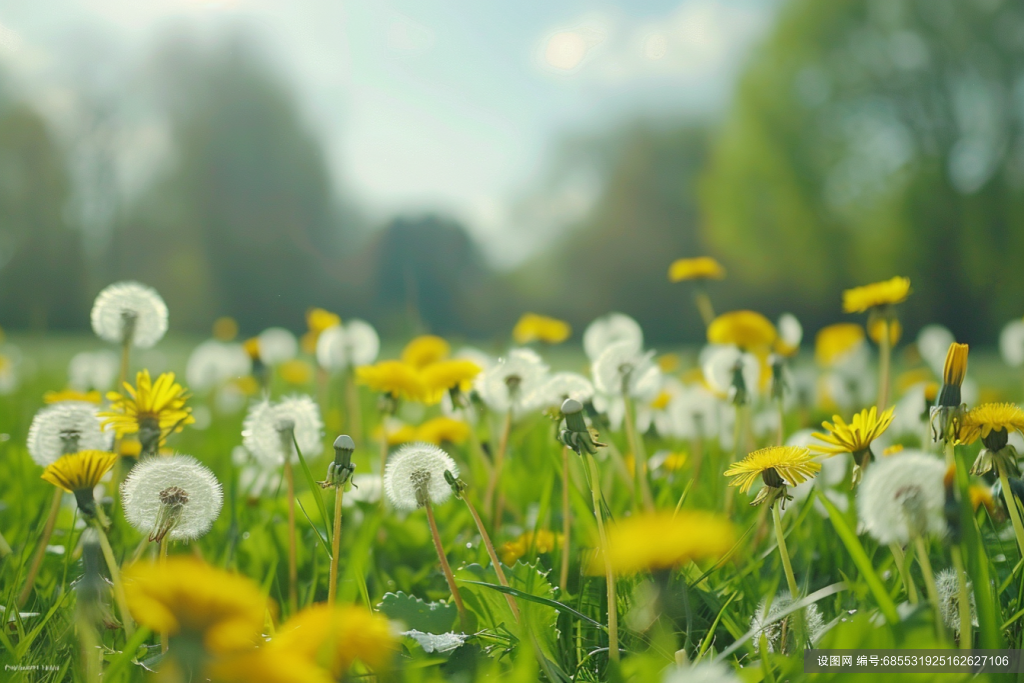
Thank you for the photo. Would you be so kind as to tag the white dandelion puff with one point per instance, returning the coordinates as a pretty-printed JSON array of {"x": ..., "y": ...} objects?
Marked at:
[
  {"x": 932, "y": 343},
  {"x": 129, "y": 312},
  {"x": 65, "y": 427},
  {"x": 560, "y": 386},
  {"x": 902, "y": 497},
  {"x": 267, "y": 430},
  {"x": 93, "y": 370},
  {"x": 791, "y": 332},
  {"x": 214, "y": 362},
  {"x": 352, "y": 344},
  {"x": 1011, "y": 343},
  {"x": 948, "y": 587},
  {"x": 719, "y": 364},
  {"x": 415, "y": 475},
  {"x": 610, "y": 329},
  {"x": 766, "y": 620},
  {"x": 173, "y": 496},
  {"x": 624, "y": 370},
  {"x": 702, "y": 672},
  {"x": 508, "y": 384},
  {"x": 277, "y": 345}
]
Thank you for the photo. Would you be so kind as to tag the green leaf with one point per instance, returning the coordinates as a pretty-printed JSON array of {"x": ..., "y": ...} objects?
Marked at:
[
  {"x": 315, "y": 489},
  {"x": 860, "y": 558},
  {"x": 429, "y": 617},
  {"x": 561, "y": 607}
]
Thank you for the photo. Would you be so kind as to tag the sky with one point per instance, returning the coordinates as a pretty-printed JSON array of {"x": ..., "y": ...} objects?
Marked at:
[{"x": 425, "y": 105}]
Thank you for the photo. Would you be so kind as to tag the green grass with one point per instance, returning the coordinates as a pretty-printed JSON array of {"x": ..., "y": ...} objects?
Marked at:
[{"x": 384, "y": 553}]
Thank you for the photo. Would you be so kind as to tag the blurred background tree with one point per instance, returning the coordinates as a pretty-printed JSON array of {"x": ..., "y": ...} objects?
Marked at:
[
  {"x": 42, "y": 270},
  {"x": 873, "y": 138}
]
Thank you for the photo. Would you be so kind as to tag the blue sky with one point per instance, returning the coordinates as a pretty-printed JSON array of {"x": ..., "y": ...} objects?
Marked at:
[{"x": 422, "y": 105}]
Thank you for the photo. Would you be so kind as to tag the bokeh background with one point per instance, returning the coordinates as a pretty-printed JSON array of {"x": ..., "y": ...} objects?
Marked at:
[{"x": 443, "y": 166}]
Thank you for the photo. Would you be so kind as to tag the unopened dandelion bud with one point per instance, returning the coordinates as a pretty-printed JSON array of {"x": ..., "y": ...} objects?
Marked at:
[
  {"x": 341, "y": 468},
  {"x": 457, "y": 485},
  {"x": 953, "y": 372},
  {"x": 577, "y": 435}
]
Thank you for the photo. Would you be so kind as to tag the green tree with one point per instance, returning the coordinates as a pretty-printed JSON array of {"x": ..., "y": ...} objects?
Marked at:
[
  {"x": 876, "y": 138},
  {"x": 42, "y": 272}
]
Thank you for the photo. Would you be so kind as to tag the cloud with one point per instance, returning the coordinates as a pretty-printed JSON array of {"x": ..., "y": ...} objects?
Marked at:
[{"x": 698, "y": 39}]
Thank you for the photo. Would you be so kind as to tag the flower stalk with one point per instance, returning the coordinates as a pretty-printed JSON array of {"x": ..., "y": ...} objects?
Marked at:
[
  {"x": 964, "y": 601},
  {"x": 901, "y": 565},
  {"x": 929, "y": 582},
  {"x": 787, "y": 566},
  {"x": 338, "y": 474},
  {"x": 286, "y": 430},
  {"x": 563, "y": 574},
  {"x": 445, "y": 567},
  {"x": 44, "y": 539},
  {"x": 636, "y": 445}
]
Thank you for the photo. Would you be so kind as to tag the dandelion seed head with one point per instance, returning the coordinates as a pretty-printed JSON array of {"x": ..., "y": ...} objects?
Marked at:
[
  {"x": 902, "y": 497},
  {"x": 508, "y": 384},
  {"x": 610, "y": 329},
  {"x": 415, "y": 470},
  {"x": 213, "y": 363},
  {"x": 133, "y": 308},
  {"x": 354, "y": 343},
  {"x": 1011, "y": 343},
  {"x": 176, "y": 480},
  {"x": 261, "y": 433},
  {"x": 948, "y": 587},
  {"x": 718, "y": 366},
  {"x": 624, "y": 370},
  {"x": 932, "y": 342},
  {"x": 65, "y": 427},
  {"x": 93, "y": 370},
  {"x": 766, "y": 621},
  {"x": 276, "y": 345},
  {"x": 560, "y": 386}
]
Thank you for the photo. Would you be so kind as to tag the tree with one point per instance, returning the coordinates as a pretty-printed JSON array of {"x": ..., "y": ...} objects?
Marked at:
[
  {"x": 870, "y": 139},
  {"x": 42, "y": 273}
]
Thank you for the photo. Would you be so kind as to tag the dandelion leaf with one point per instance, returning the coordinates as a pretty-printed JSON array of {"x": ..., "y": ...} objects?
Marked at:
[{"x": 417, "y": 615}]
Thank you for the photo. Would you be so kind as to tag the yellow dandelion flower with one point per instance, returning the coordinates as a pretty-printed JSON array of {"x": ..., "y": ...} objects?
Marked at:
[
  {"x": 669, "y": 362},
  {"x": 981, "y": 421},
  {"x": 835, "y": 342},
  {"x": 80, "y": 471},
  {"x": 72, "y": 395},
  {"x": 129, "y": 448},
  {"x": 777, "y": 465},
  {"x": 860, "y": 299},
  {"x": 532, "y": 327},
  {"x": 745, "y": 329},
  {"x": 982, "y": 495},
  {"x": 444, "y": 375},
  {"x": 661, "y": 401},
  {"x": 264, "y": 665},
  {"x": 317, "y": 320},
  {"x": 662, "y": 540},
  {"x": 876, "y": 326},
  {"x": 442, "y": 429},
  {"x": 252, "y": 347},
  {"x": 544, "y": 541},
  {"x": 336, "y": 637},
  {"x": 955, "y": 368},
  {"x": 248, "y": 385},
  {"x": 855, "y": 437},
  {"x": 225, "y": 328},
  {"x": 911, "y": 378},
  {"x": 151, "y": 409},
  {"x": 397, "y": 432},
  {"x": 895, "y": 449},
  {"x": 424, "y": 350},
  {"x": 700, "y": 268},
  {"x": 393, "y": 377},
  {"x": 296, "y": 371},
  {"x": 184, "y": 596}
]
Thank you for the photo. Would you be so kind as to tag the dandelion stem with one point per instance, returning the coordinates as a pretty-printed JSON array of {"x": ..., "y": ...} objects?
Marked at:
[
  {"x": 901, "y": 565},
  {"x": 784, "y": 552},
  {"x": 446, "y": 568},
  {"x": 964, "y": 600},
  {"x": 332, "y": 587},
  {"x": 782, "y": 422},
  {"x": 1011, "y": 505},
  {"x": 162, "y": 553},
  {"x": 126, "y": 349},
  {"x": 115, "y": 578},
  {"x": 37, "y": 558},
  {"x": 613, "y": 615},
  {"x": 639, "y": 455},
  {"x": 884, "y": 357},
  {"x": 707, "y": 311},
  {"x": 91, "y": 653},
  {"x": 929, "y": 582},
  {"x": 563, "y": 576},
  {"x": 494, "y": 557},
  {"x": 499, "y": 463},
  {"x": 355, "y": 413},
  {"x": 293, "y": 571}
]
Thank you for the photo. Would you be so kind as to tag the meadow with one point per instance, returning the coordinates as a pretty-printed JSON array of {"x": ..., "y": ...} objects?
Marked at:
[{"x": 568, "y": 505}]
